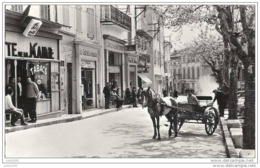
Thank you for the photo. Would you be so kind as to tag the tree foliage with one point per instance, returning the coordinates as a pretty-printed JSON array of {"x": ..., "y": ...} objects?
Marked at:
[{"x": 236, "y": 24}]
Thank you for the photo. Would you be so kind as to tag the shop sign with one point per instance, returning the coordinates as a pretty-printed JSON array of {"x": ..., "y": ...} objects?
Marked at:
[
  {"x": 36, "y": 51},
  {"x": 38, "y": 68},
  {"x": 32, "y": 28},
  {"x": 88, "y": 52},
  {"x": 132, "y": 59},
  {"x": 87, "y": 64},
  {"x": 113, "y": 69},
  {"x": 114, "y": 45}
]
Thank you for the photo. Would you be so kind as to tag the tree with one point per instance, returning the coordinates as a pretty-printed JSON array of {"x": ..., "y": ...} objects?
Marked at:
[{"x": 236, "y": 24}]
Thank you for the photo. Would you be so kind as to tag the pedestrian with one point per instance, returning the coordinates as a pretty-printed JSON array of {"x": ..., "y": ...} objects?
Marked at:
[
  {"x": 164, "y": 93},
  {"x": 127, "y": 96},
  {"x": 134, "y": 97},
  {"x": 192, "y": 99},
  {"x": 139, "y": 91},
  {"x": 11, "y": 109},
  {"x": 221, "y": 100},
  {"x": 12, "y": 86},
  {"x": 19, "y": 93},
  {"x": 106, "y": 92},
  {"x": 32, "y": 94},
  {"x": 225, "y": 88},
  {"x": 175, "y": 94}
]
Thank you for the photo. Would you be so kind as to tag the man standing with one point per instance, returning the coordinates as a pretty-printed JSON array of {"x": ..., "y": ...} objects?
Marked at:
[
  {"x": 175, "y": 94},
  {"x": 19, "y": 93},
  {"x": 164, "y": 93},
  {"x": 106, "y": 92},
  {"x": 32, "y": 93},
  {"x": 134, "y": 97},
  {"x": 222, "y": 101}
]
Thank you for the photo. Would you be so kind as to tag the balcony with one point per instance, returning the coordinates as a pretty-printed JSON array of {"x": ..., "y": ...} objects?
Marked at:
[{"x": 112, "y": 15}]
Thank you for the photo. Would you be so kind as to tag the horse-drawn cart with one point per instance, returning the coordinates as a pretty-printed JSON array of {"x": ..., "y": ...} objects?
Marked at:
[{"x": 202, "y": 114}]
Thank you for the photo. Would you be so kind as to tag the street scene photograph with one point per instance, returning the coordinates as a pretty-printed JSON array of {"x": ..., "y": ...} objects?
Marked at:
[{"x": 129, "y": 83}]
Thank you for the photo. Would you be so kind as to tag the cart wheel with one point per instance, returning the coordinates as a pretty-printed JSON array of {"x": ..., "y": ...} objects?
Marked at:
[{"x": 211, "y": 121}]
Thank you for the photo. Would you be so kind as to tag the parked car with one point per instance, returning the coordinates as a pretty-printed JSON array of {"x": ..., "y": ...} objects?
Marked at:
[{"x": 241, "y": 102}]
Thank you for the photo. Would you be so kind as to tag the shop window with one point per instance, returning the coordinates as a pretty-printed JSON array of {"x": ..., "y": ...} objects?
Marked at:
[
  {"x": 40, "y": 74},
  {"x": 45, "y": 12}
]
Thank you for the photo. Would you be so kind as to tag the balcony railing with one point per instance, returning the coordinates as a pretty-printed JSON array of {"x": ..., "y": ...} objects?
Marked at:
[{"x": 112, "y": 14}]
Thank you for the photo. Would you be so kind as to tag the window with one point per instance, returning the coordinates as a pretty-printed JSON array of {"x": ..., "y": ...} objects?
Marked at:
[
  {"x": 188, "y": 73},
  {"x": 40, "y": 74},
  {"x": 198, "y": 72},
  {"x": 184, "y": 71},
  {"x": 90, "y": 23},
  {"x": 179, "y": 73},
  {"x": 193, "y": 73},
  {"x": 17, "y": 8},
  {"x": 78, "y": 19},
  {"x": 45, "y": 12}
]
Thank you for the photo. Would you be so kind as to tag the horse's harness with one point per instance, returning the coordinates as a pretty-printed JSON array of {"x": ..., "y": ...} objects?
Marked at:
[{"x": 153, "y": 103}]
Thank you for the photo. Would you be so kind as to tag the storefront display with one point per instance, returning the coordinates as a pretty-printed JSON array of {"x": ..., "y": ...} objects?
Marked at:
[{"x": 34, "y": 58}]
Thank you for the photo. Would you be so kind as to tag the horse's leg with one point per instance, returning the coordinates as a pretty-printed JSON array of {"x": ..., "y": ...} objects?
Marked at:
[
  {"x": 175, "y": 121},
  {"x": 169, "y": 118},
  {"x": 154, "y": 127},
  {"x": 158, "y": 127}
]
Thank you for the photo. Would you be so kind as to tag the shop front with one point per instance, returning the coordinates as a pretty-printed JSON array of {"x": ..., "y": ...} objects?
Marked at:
[
  {"x": 114, "y": 63},
  {"x": 131, "y": 70},
  {"x": 36, "y": 58},
  {"x": 144, "y": 77},
  {"x": 88, "y": 80},
  {"x": 85, "y": 75}
]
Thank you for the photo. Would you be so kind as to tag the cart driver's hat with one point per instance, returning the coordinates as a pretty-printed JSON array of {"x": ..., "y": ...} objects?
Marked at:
[{"x": 215, "y": 90}]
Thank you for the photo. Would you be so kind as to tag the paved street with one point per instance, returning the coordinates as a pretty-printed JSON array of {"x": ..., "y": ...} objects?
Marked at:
[{"x": 123, "y": 134}]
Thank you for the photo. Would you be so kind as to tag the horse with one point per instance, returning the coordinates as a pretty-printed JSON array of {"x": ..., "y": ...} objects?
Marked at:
[{"x": 156, "y": 109}]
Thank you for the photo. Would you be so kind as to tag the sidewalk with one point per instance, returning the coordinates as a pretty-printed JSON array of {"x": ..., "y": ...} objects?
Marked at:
[{"x": 64, "y": 118}]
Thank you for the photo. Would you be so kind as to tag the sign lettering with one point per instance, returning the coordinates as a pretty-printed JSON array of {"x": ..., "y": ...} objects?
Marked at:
[{"x": 35, "y": 51}]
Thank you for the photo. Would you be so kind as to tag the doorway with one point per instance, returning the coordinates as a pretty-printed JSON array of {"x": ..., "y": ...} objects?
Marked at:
[
  {"x": 69, "y": 87},
  {"x": 87, "y": 88}
]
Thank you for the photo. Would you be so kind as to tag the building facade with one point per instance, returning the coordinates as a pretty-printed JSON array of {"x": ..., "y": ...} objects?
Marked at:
[
  {"x": 77, "y": 49},
  {"x": 187, "y": 70},
  {"x": 37, "y": 56}
]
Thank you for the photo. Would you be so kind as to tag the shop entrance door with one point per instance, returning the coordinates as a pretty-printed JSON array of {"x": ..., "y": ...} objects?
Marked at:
[
  {"x": 69, "y": 86},
  {"x": 87, "y": 88}
]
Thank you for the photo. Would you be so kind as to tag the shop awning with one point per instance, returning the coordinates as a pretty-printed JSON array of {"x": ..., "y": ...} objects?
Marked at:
[{"x": 145, "y": 79}]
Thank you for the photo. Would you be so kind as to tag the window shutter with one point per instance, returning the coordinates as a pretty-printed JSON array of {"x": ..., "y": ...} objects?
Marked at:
[{"x": 91, "y": 24}]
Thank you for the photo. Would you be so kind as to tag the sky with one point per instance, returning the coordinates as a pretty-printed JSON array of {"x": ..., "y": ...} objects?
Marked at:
[{"x": 189, "y": 33}]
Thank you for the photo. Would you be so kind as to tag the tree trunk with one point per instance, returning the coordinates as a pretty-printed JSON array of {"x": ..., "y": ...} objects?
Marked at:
[
  {"x": 232, "y": 106},
  {"x": 226, "y": 61},
  {"x": 232, "y": 102},
  {"x": 249, "y": 113}
]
